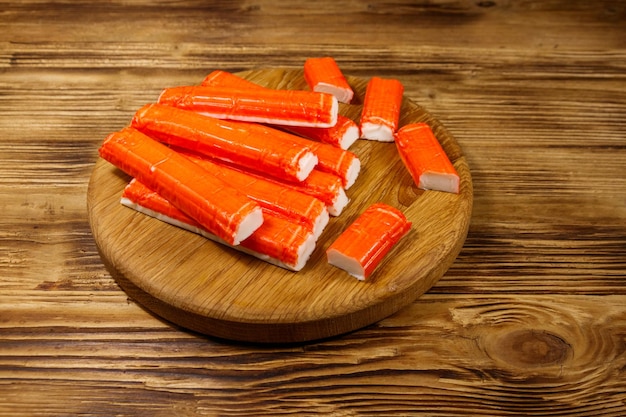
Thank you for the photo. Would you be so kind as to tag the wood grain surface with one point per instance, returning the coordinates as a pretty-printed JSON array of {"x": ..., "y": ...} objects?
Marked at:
[
  {"x": 529, "y": 320},
  {"x": 206, "y": 287}
]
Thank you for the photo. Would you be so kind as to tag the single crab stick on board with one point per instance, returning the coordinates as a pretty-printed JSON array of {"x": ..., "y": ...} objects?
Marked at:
[
  {"x": 244, "y": 144},
  {"x": 343, "y": 134},
  {"x": 214, "y": 204},
  {"x": 277, "y": 241},
  {"x": 324, "y": 75},
  {"x": 286, "y": 201},
  {"x": 364, "y": 243},
  {"x": 284, "y": 107},
  {"x": 381, "y": 109},
  {"x": 425, "y": 159}
]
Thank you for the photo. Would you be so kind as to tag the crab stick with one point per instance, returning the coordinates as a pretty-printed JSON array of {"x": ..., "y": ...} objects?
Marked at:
[
  {"x": 340, "y": 162},
  {"x": 277, "y": 241},
  {"x": 425, "y": 159},
  {"x": 343, "y": 134},
  {"x": 381, "y": 109},
  {"x": 244, "y": 144},
  {"x": 284, "y": 107},
  {"x": 324, "y": 186},
  {"x": 323, "y": 75},
  {"x": 286, "y": 201},
  {"x": 214, "y": 204},
  {"x": 365, "y": 242}
]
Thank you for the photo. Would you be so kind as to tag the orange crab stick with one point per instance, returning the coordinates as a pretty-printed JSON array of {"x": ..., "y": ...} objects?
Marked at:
[
  {"x": 286, "y": 201},
  {"x": 425, "y": 159},
  {"x": 319, "y": 184},
  {"x": 244, "y": 144},
  {"x": 343, "y": 134},
  {"x": 285, "y": 107},
  {"x": 364, "y": 243},
  {"x": 323, "y": 75},
  {"x": 340, "y": 162},
  {"x": 381, "y": 109},
  {"x": 214, "y": 204},
  {"x": 277, "y": 241}
]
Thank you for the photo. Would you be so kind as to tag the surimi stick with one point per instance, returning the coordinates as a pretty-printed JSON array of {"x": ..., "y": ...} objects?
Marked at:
[
  {"x": 381, "y": 109},
  {"x": 343, "y": 134},
  {"x": 340, "y": 162},
  {"x": 211, "y": 202},
  {"x": 286, "y": 201},
  {"x": 277, "y": 241},
  {"x": 364, "y": 243},
  {"x": 322, "y": 185},
  {"x": 323, "y": 75},
  {"x": 425, "y": 159},
  {"x": 243, "y": 144},
  {"x": 284, "y": 107}
]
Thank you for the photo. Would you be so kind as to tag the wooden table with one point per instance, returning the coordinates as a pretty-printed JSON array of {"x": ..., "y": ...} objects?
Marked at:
[{"x": 529, "y": 320}]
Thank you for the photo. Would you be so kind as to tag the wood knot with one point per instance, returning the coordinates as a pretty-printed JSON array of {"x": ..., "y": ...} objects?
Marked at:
[{"x": 531, "y": 348}]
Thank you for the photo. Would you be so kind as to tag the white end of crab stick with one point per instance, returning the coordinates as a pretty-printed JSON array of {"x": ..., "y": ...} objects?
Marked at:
[
  {"x": 439, "y": 181},
  {"x": 344, "y": 95},
  {"x": 304, "y": 253},
  {"x": 379, "y": 132},
  {"x": 352, "y": 173},
  {"x": 305, "y": 165},
  {"x": 248, "y": 225},
  {"x": 351, "y": 265},
  {"x": 340, "y": 202},
  {"x": 350, "y": 135},
  {"x": 320, "y": 223}
]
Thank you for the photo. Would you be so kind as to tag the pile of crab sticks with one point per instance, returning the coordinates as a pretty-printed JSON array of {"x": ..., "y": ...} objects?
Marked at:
[{"x": 263, "y": 170}]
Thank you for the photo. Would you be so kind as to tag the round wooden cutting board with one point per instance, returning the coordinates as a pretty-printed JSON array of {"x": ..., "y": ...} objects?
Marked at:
[{"x": 216, "y": 290}]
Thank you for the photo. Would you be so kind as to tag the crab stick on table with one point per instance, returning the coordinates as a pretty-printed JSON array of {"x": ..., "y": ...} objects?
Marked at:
[
  {"x": 324, "y": 75},
  {"x": 284, "y": 107},
  {"x": 343, "y": 134},
  {"x": 244, "y": 144},
  {"x": 425, "y": 159},
  {"x": 277, "y": 241},
  {"x": 364, "y": 243},
  {"x": 286, "y": 201},
  {"x": 211, "y": 202},
  {"x": 381, "y": 109}
]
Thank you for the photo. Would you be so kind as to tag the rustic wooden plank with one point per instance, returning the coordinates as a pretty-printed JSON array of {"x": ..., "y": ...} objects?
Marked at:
[{"x": 471, "y": 348}]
